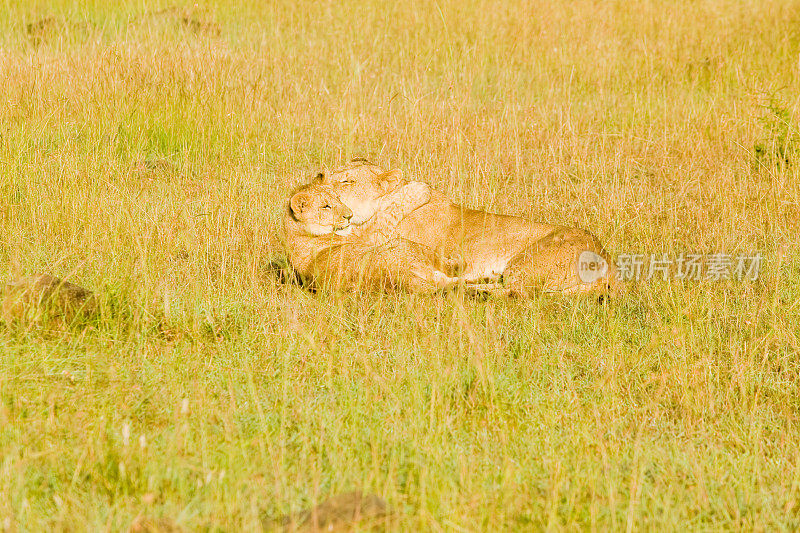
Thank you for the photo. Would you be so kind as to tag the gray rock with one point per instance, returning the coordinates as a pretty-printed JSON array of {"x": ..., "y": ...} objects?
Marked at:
[
  {"x": 343, "y": 512},
  {"x": 32, "y": 298}
]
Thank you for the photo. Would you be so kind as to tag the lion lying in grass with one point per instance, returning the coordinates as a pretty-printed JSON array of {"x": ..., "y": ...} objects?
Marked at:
[
  {"x": 525, "y": 257},
  {"x": 325, "y": 251}
]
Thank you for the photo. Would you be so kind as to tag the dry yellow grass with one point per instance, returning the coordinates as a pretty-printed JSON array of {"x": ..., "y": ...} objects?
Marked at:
[{"x": 145, "y": 153}]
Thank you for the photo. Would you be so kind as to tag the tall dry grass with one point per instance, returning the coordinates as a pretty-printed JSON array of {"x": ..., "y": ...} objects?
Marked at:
[{"x": 146, "y": 152}]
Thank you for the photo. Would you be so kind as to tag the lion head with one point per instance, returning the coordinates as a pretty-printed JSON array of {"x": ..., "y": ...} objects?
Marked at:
[
  {"x": 359, "y": 185},
  {"x": 317, "y": 210}
]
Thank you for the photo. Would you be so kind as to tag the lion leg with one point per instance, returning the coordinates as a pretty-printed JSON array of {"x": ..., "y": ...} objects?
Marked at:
[
  {"x": 567, "y": 261},
  {"x": 443, "y": 271},
  {"x": 392, "y": 208},
  {"x": 418, "y": 267},
  {"x": 397, "y": 265},
  {"x": 452, "y": 264},
  {"x": 422, "y": 278}
]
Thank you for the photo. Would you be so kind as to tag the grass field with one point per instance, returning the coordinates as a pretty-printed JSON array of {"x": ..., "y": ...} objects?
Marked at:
[{"x": 146, "y": 153}]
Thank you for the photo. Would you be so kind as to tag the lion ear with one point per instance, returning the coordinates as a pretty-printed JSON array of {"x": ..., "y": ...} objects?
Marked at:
[
  {"x": 322, "y": 178},
  {"x": 299, "y": 202},
  {"x": 390, "y": 180}
]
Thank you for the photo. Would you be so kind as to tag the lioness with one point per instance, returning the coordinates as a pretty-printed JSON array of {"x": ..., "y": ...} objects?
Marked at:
[
  {"x": 325, "y": 251},
  {"x": 526, "y": 256}
]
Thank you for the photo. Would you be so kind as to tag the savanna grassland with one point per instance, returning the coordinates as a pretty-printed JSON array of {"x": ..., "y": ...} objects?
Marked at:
[{"x": 146, "y": 150}]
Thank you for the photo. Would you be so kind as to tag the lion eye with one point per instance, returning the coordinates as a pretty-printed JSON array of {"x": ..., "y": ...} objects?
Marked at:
[{"x": 326, "y": 206}]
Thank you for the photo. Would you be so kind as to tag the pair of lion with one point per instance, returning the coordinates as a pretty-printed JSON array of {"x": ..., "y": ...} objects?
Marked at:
[{"x": 361, "y": 226}]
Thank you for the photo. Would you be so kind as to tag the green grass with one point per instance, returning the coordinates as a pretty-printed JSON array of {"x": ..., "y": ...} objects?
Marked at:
[{"x": 149, "y": 159}]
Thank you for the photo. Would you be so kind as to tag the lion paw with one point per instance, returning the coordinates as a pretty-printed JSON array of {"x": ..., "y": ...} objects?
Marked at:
[
  {"x": 417, "y": 193},
  {"x": 453, "y": 265}
]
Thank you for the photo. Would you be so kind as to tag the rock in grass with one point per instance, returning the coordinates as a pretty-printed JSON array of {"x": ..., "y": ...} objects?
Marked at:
[
  {"x": 49, "y": 28},
  {"x": 146, "y": 524},
  {"x": 344, "y": 512},
  {"x": 32, "y": 298}
]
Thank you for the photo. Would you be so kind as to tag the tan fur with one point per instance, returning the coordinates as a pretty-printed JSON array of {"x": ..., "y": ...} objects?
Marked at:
[
  {"x": 310, "y": 227},
  {"x": 372, "y": 257},
  {"x": 527, "y": 256}
]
